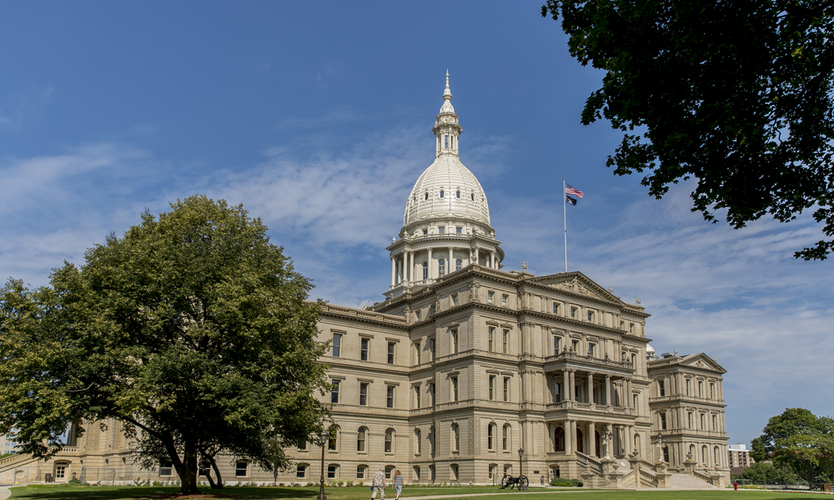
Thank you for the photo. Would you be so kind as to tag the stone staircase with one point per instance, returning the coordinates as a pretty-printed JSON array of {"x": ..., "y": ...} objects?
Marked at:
[{"x": 687, "y": 482}]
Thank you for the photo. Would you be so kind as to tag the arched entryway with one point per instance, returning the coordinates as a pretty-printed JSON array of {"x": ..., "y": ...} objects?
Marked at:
[
  {"x": 579, "y": 444},
  {"x": 559, "y": 439}
]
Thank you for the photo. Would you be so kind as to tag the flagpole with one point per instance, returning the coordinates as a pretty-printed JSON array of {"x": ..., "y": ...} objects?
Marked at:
[{"x": 565, "y": 216}]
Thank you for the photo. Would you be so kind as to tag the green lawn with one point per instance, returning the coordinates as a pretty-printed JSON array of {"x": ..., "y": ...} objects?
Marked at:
[{"x": 55, "y": 492}]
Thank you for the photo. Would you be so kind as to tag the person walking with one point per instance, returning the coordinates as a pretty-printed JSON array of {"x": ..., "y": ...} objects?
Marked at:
[
  {"x": 398, "y": 484},
  {"x": 379, "y": 484}
]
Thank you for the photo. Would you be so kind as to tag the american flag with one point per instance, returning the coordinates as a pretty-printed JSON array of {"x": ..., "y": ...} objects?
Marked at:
[{"x": 572, "y": 190}]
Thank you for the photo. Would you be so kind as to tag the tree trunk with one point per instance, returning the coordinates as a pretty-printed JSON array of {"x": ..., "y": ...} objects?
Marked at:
[
  {"x": 216, "y": 473},
  {"x": 188, "y": 475}
]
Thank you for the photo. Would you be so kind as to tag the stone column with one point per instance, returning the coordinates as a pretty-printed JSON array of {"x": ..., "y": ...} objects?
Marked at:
[
  {"x": 393, "y": 271},
  {"x": 627, "y": 391},
  {"x": 590, "y": 387},
  {"x": 565, "y": 384},
  {"x": 608, "y": 390},
  {"x": 431, "y": 266},
  {"x": 592, "y": 441},
  {"x": 451, "y": 267},
  {"x": 410, "y": 271},
  {"x": 572, "y": 387},
  {"x": 569, "y": 437},
  {"x": 628, "y": 439},
  {"x": 477, "y": 257}
]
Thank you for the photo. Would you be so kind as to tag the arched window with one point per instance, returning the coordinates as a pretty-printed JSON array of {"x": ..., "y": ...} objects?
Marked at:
[
  {"x": 505, "y": 438},
  {"x": 692, "y": 454},
  {"x": 432, "y": 434},
  {"x": 389, "y": 441},
  {"x": 458, "y": 265},
  {"x": 441, "y": 267},
  {"x": 491, "y": 436},
  {"x": 559, "y": 439},
  {"x": 442, "y": 194},
  {"x": 704, "y": 454},
  {"x": 425, "y": 270},
  {"x": 418, "y": 442},
  {"x": 457, "y": 193},
  {"x": 455, "y": 437},
  {"x": 361, "y": 436},
  {"x": 580, "y": 439},
  {"x": 472, "y": 196},
  {"x": 637, "y": 442},
  {"x": 426, "y": 196},
  {"x": 716, "y": 457}
]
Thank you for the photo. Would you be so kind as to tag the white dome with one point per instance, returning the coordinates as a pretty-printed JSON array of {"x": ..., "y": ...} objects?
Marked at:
[{"x": 447, "y": 189}]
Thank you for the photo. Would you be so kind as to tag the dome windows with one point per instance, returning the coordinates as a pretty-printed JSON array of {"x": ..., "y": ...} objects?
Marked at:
[
  {"x": 473, "y": 196},
  {"x": 442, "y": 194},
  {"x": 427, "y": 195},
  {"x": 457, "y": 194}
]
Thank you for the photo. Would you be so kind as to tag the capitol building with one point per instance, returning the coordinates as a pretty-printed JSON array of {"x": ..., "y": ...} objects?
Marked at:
[{"x": 467, "y": 372}]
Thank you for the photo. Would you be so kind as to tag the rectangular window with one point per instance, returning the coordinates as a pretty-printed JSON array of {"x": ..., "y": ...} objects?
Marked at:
[
  {"x": 557, "y": 345},
  {"x": 661, "y": 388},
  {"x": 712, "y": 391},
  {"x": 204, "y": 468},
  {"x": 165, "y": 468},
  {"x": 418, "y": 352},
  {"x": 592, "y": 350},
  {"x": 433, "y": 348},
  {"x": 441, "y": 230},
  {"x": 431, "y": 393},
  {"x": 703, "y": 422},
  {"x": 458, "y": 230},
  {"x": 557, "y": 392},
  {"x": 360, "y": 472},
  {"x": 300, "y": 471},
  {"x": 417, "y": 396},
  {"x": 363, "y": 350},
  {"x": 389, "y": 398},
  {"x": 689, "y": 420},
  {"x": 425, "y": 232},
  {"x": 334, "y": 391},
  {"x": 419, "y": 313},
  {"x": 590, "y": 315},
  {"x": 490, "y": 297},
  {"x": 241, "y": 469},
  {"x": 391, "y": 347},
  {"x": 506, "y": 388},
  {"x": 492, "y": 387},
  {"x": 574, "y": 312},
  {"x": 454, "y": 388},
  {"x": 506, "y": 344},
  {"x": 504, "y": 299},
  {"x": 491, "y": 339},
  {"x": 337, "y": 345},
  {"x": 715, "y": 422},
  {"x": 688, "y": 388},
  {"x": 453, "y": 334},
  {"x": 303, "y": 446},
  {"x": 455, "y": 299},
  {"x": 555, "y": 308},
  {"x": 331, "y": 472},
  {"x": 60, "y": 471},
  {"x": 363, "y": 394},
  {"x": 662, "y": 420}
]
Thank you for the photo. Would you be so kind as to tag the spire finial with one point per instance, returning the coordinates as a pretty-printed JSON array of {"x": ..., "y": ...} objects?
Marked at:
[{"x": 447, "y": 94}]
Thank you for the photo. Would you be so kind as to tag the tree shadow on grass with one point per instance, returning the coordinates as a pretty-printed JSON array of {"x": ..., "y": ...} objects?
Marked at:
[{"x": 42, "y": 492}]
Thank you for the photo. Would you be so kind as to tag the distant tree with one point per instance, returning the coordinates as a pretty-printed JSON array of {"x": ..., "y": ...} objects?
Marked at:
[
  {"x": 767, "y": 473},
  {"x": 736, "y": 95},
  {"x": 799, "y": 440},
  {"x": 192, "y": 330}
]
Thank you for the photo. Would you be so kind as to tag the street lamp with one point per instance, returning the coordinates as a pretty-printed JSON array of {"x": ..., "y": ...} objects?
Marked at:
[{"x": 324, "y": 435}]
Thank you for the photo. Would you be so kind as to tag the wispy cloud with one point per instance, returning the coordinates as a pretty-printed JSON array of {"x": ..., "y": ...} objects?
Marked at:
[{"x": 22, "y": 106}]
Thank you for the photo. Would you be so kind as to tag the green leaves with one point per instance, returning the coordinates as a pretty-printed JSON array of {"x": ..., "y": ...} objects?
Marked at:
[
  {"x": 738, "y": 95},
  {"x": 799, "y": 440},
  {"x": 192, "y": 327}
]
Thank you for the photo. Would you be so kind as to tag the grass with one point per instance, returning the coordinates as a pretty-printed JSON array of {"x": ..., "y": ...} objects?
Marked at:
[{"x": 62, "y": 492}]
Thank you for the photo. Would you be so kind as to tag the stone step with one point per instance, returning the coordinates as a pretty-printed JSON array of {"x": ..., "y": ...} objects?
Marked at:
[{"x": 687, "y": 482}]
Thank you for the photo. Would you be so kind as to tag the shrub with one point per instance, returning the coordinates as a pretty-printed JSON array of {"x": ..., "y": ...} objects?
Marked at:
[
  {"x": 76, "y": 482},
  {"x": 564, "y": 482}
]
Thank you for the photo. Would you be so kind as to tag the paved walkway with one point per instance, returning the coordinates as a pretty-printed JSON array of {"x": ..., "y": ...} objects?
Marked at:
[{"x": 5, "y": 492}]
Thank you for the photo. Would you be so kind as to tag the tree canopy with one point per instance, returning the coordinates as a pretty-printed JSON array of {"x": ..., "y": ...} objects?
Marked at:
[
  {"x": 767, "y": 473},
  {"x": 799, "y": 440},
  {"x": 193, "y": 330},
  {"x": 736, "y": 95}
]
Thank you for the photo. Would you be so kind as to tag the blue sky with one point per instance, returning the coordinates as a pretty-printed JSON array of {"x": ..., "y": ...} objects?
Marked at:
[{"x": 317, "y": 117}]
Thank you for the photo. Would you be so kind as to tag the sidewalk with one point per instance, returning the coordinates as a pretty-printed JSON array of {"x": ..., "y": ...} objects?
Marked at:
[{"x": 5, "y": 492}]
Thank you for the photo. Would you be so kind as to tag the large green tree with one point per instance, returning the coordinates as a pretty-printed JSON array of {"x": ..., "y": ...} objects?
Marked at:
[
  {"x": 736, "y": 95},
  {"x": 767, "y": 473},
  {"x": 192, "y": 329},
  {"x": 799, "y": 440}
]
